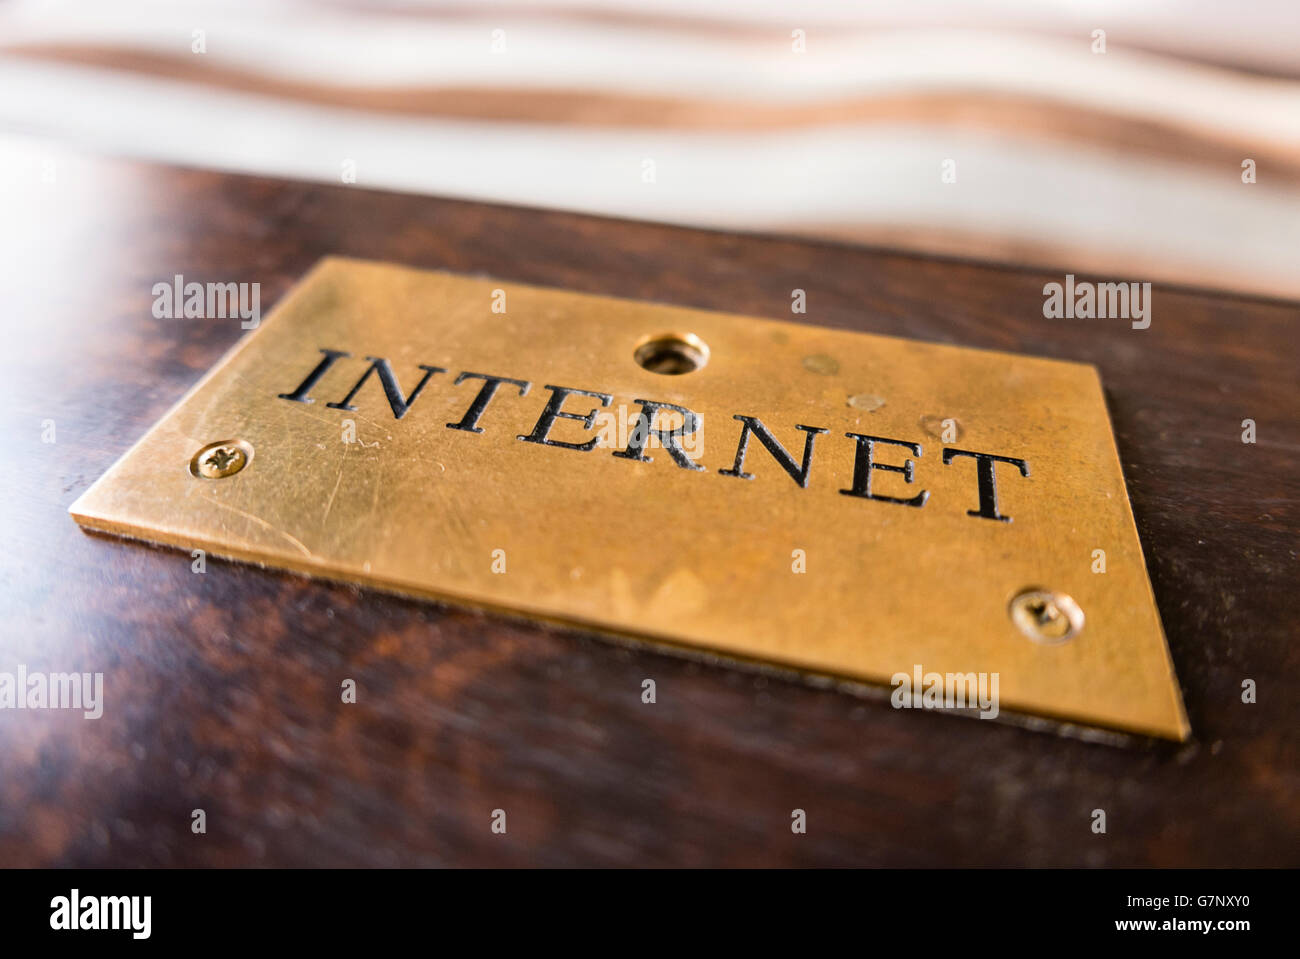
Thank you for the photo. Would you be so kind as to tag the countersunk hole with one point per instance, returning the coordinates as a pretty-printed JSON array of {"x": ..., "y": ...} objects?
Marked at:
[{"x": 672, "y": 354}]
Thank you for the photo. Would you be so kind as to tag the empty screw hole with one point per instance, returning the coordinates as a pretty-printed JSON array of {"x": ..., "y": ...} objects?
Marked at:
[{"x": 672, "y": 354}]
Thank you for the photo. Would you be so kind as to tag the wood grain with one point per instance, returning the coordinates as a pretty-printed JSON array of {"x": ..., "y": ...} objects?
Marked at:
[{"x": 222, "y": 689}]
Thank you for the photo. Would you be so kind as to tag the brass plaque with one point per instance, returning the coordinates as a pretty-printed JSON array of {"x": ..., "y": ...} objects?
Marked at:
[{"x": 847, "y": 505}]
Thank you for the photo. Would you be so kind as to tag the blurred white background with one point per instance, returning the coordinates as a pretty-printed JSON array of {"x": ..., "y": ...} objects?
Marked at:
[{"x": 823, "y": 118}]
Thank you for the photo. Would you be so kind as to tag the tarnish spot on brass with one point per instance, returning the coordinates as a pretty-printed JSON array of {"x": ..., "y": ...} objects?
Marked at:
[
  {"x": 935, "y": 426},
  {"x": 866, "y": 401},
  {"x": 821, "y": 364},
  {"x": 748, "y": 512}
]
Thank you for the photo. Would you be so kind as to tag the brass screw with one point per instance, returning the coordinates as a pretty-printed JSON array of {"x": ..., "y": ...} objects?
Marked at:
[
  {"x": 218, "y": 460},
  {"x": 1045, "y": 616}
]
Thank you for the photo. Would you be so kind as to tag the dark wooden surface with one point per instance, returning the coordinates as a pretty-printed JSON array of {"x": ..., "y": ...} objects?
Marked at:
[{"x": 222, "y": 689}]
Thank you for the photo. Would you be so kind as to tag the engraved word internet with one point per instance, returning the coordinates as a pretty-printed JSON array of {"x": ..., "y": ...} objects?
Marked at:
[{"x": 585, "y": 405}]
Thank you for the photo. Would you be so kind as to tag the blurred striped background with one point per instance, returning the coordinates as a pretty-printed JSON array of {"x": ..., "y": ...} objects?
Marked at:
[{"x": 823, "y": 118}]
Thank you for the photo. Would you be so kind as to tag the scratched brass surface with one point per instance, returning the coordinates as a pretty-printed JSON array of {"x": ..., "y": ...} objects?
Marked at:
[{"x": 650, "y": 549}]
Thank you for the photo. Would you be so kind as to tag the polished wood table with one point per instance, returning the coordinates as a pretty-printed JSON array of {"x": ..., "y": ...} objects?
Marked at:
[{"x": 222, "y": 689}]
